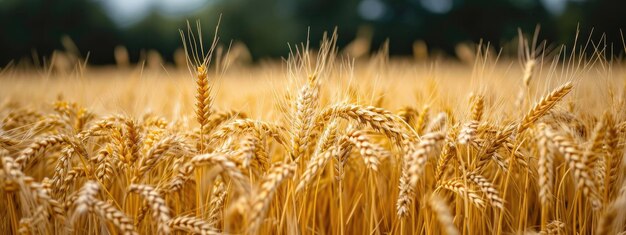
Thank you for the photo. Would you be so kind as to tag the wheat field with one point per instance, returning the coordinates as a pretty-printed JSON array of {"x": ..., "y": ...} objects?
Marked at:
[{"x": 319, "y": 143}]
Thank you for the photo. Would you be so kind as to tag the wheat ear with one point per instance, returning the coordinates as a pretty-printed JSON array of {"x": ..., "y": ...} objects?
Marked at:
[
  {"x": 574, "y": 157},
  {"x": 415, "y": 162},
  {"x": 269, "y": 185},
  {"x": 543, "y": 106},
  {"x": 192, "y": 225},
  {"x": 160, "y": 211},
  {"x": 443, "y": 215}
]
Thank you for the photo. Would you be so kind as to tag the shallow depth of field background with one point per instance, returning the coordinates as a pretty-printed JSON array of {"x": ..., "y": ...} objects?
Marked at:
[{"x": 33, "y": 29}]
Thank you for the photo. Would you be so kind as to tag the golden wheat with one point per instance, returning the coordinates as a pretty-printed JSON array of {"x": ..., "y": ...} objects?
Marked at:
[{"x": 311, "y": 146}]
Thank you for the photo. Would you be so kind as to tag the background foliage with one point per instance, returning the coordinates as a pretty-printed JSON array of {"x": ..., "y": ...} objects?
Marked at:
[{"x": 266, "y": 26}]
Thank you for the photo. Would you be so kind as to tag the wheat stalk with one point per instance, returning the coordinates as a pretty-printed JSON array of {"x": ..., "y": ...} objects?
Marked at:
[
  {"x": 269, "y": 185},
  {"x": 576, "y": 161},
  {"x": 543, "y": 106},
  {"x": 160, "y": 211},
  {"x": 478, "y": 106},
  {"x": 545, "y": 168},
  {"x": 228, "y": 166},
  {"x": 487, "y": 188},
  {"x": 367, "y": 149},
  {"x": 306, "y": 104},
  {"x": 443, "y": 214},
  {"x": 191, "y": 225},
  {"x": 415, "y": 162},
  {"x": 468, "y": 132},
  {"x": 460, "y": 188}
]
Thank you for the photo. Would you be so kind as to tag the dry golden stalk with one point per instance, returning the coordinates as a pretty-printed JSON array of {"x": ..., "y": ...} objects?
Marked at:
[
  {"x": 611, "y": 215},
  {"x": 443, "y": 215},
  {"x": 405, "y": 196},
  {"x": 8, "y": 142},
  {"x": 83, "y": 116},
  {"x": 422, "y": 119},
  {"x": 20, "y": 118},
  {"x": 545, "y": 168},
  {"x": 487, "y": 188},
  {"x": 69, "y": 181},
  {"x": 86, "y": 197},
  {"x": 153, "y": 135},
  {"x": 378, "y": 119},
  {"x": 305, "y": 107},
  {"x": 468, "y": 132},
  {"x": 597, "y": 141},
  {"x": 438, "y": 123},
  {"x": 528, "y": 71},
  {"x": 321, "y": 154},
  {"x": 42, "y": 196},
  {"x": 365, "y": 146},
  {"x": 132, "y": 142},
  {"x": 160, "y": 211},
  {"x": 203, "y": 100},
  {"x": 105, "y": 168},
  {"x": 408, "y": 115},
  {"x": 247, "y": 150},
  {"x": 117, "y": 143},
  {"x": 115, "y": 216},
  {"x": 341, "y": 154},
  {"x": 62, "y": 166},
  {"x": 219, "y": 118},
  {"x": 593, "y": 154},
  {"x": 96, "y": 129},
  {"x": 415, "y": 162},
  {"x": 243, "y": 125},
  {"x": 218, "y": 196},
  {"x": 478, "y": 106},
  {"x": 41, "y": 145},
  {"x": 11, "y": 168},
  {"x": 417, "y": 159},
  {"x": 327, "y": 139},
  {"x": 192, "y": 225},
  {"x": 28, "y": 224},
  {"x": 519, "y": 158},
  {"x": 490, "y": 150},
  {"x": 264, "y": 196},
  {"x": 613, "y": 158},
  {"x": 621, "y": 127},
  {"x": 141, "y": 214},
  {"x": 448, "y": 152},
  {"x": 179, "y": 179},
  {"x": 50, "y": 123},
  {"x": 543, "y": 106},
  {"x": 229, "y": 167},
  {"x": 36, "y": 191},
  {"x": 157, "y": 153},
  {"x": 555, "y": 227},
  {"x": 576, "y": 161},
  {"x": 460, "y": 188},
  {"x": 316, "y": 163}
]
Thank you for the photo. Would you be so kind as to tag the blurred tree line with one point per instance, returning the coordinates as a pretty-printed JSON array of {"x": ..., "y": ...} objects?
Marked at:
[{"x": 34, "y": 28}]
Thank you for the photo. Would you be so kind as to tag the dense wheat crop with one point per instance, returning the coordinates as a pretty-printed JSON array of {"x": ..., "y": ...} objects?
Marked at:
[{"x": 318, "y": 144}]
